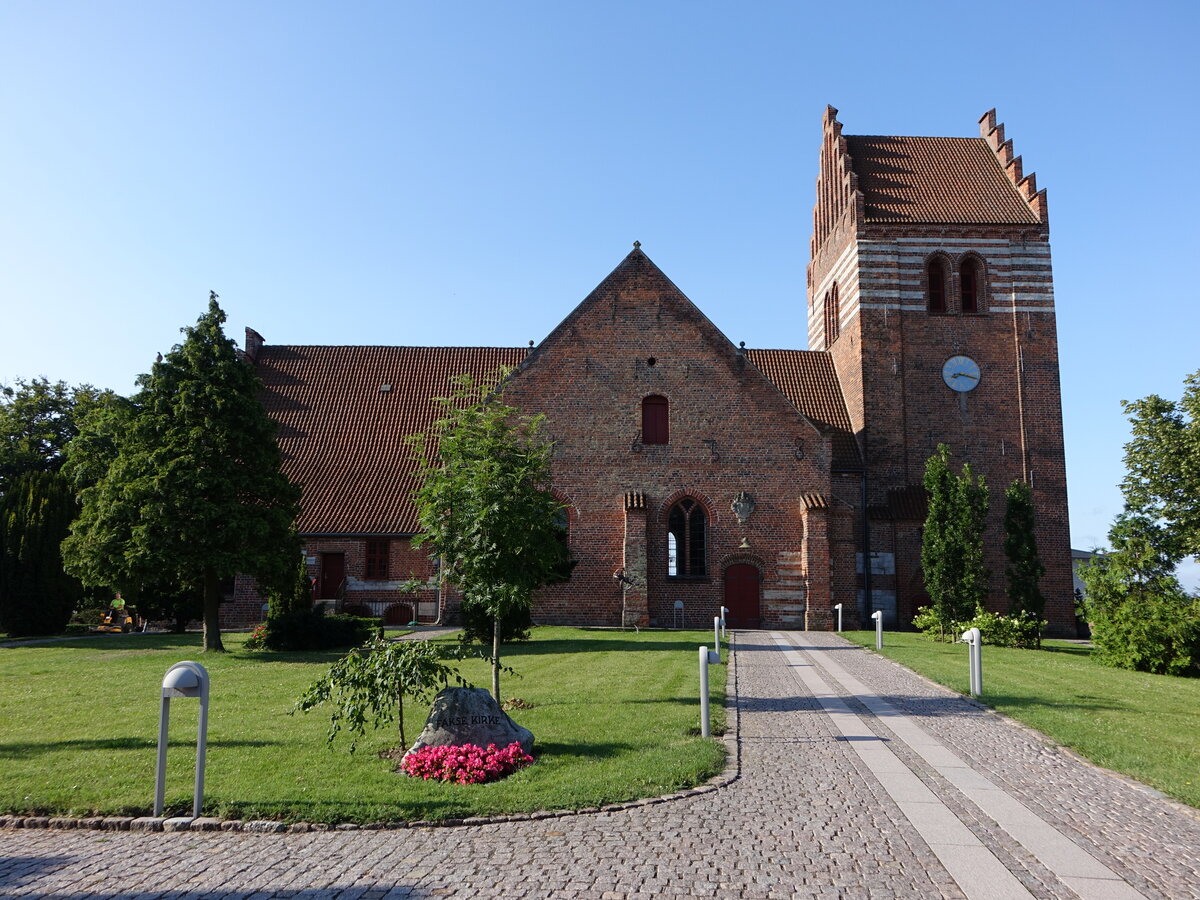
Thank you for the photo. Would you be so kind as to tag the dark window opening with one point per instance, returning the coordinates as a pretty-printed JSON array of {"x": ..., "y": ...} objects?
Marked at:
[
  {"x": 969, "y": 281},
  {"x": 936, "y": 272},
  {"x": 655, "y": 420},
  {"x": 566, "y": 565},
  {"x": 377, "y": 560},
  {"x": 687, "y": 534},
  {"x": 833, "y": 316}
]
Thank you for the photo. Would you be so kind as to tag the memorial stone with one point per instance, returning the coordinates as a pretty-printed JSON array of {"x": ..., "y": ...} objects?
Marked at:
[{"x": 470, "y": 716}]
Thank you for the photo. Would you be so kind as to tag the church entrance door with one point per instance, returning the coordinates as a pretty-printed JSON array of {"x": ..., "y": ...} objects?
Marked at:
[{"x": 741, "y": 596}]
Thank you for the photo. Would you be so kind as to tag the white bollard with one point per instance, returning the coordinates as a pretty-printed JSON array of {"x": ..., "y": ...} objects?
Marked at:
[
  {"x": 838, "y": 607},
  {"x": 717, "y": 634},
  {"x": 878, "y": 617},
  {"x": 704, "y": 728},
  {"x": 974, "y": 641},
  {"x": 184, "y": 679},
  {"x": 724, "y": 616}
]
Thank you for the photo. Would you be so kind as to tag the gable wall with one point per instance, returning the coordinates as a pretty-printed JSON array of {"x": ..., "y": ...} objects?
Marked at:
[{"x": 731, "y": 431}]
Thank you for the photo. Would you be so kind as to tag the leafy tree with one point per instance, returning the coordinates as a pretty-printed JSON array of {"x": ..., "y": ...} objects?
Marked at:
[
  {"x": 1162, "y": 461},
  {"x": 38, "y": 419},
  {"x": 193, "y": 492},
  {"x": 1024, "y": 569},
  {"x": 485, "y": 506},
  {"x": 952, "y": 544},
  {"x": 369, "y": 684},
  {"x": 36, "y": 595},
  {"x": 1141, "y": 617}
]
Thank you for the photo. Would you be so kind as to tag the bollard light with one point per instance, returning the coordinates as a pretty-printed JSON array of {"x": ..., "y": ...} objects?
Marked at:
[
  {"x": 974, "y": 641},
  {"x": 878, "y": 617},
  {"x": 184, "y": 679},
  {"x": 724, "y": 616},
  {"x": 838, "y": 607},
  {"x": 704, "y": 660},
  {"x": 717, "y": 634}
]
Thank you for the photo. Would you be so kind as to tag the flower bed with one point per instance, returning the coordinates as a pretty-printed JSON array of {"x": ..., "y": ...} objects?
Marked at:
[{"x": 466, "y": 763}]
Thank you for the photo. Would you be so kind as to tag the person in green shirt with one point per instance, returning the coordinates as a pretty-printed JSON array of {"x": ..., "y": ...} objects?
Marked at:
[{"x": 117, "y": 608}]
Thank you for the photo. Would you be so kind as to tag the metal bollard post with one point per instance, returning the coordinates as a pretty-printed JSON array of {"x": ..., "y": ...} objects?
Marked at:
[
  {"x": 717, "y": 634},
  {"x": 838, "y": 607},
  {"x": 974, "y": 641},
  {"x": 184, "y": 679},
  {"x": 704, "y": 727},
  {"x": 878, "y": 617},
  {"x": 724, "y": 616}
]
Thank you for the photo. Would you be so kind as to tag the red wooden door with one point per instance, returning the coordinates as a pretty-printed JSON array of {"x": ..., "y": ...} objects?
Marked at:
[
  {"x": 333, "y": 573},
  {"x": 741, "y": 596}
]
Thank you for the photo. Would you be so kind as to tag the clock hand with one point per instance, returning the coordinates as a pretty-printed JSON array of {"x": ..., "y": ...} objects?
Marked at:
[{"x": 964, "y": 375}]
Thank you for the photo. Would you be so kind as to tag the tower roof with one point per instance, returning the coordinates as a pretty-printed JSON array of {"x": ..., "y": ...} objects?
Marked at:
[{"x": 934, "y": 180}]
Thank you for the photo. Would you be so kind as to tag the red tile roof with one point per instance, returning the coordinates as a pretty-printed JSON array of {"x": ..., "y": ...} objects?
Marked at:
[
  {"x": 343, "y": 438},
  {"x": 809, "y": 380},
  {"x": 934, "y": 180}
]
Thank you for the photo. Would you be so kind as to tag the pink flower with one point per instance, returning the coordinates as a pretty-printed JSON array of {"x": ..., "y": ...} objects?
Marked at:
[{"x": 466, "y": 764}]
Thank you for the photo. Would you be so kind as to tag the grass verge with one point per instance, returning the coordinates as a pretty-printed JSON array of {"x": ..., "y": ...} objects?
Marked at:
[
  {"x": 1141, "y": 725},
  {"x": 614, "y": 714}
]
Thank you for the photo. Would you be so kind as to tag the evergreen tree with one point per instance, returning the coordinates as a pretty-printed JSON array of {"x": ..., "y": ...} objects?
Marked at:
[
  {"x": 1140, "y": 615},
  {"x": 36, "y": 595},
  {"x": 1024, "y": 569},
  {"x": 293, "y": 596},
  {"x": 952, "y": 543},
  {"x": 194, "y": 492},
  {"x": 485, "y": 506}
]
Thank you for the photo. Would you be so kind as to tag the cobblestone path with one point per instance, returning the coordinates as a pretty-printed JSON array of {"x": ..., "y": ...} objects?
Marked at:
[{"x": 858, "y": 779}]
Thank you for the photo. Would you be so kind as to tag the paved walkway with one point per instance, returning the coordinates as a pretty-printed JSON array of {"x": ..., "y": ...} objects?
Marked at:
[{"x": 858, "y": 779}]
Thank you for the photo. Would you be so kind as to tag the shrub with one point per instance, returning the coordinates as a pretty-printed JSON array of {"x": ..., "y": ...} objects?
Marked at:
[
  {"x": 1159, "y": 634},
  {"x": 1023, "y": 630},
  {"x": 258, "y": 637},
  {"x": 311, "y": 629},
  {"x": 466, "y": 763}
]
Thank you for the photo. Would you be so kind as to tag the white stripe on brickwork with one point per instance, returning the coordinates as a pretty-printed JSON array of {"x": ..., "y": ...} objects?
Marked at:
[{"x": 1075, "y": 867}]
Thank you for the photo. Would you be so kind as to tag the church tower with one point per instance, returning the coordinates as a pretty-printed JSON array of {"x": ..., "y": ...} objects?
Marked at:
[{"x": 930, "y": 288}]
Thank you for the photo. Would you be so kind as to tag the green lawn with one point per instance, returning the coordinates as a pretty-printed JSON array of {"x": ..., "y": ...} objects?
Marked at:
[
  {"x": 1146, "y": 726},
  {"x": 615, "y": 715}
]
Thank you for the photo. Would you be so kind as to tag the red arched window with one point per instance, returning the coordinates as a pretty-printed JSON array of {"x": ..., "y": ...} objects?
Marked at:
[
  {"x": 687, "y": 535},
  {"x": 969, "y": 282},
  {"x": 833, "y": 316},
  {"x": 935, "y": 272},
  {"x": 656, "y": 425}
]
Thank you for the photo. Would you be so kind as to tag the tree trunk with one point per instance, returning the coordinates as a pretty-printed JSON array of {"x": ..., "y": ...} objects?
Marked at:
[
  {"x": 400, "y": 706},
  {"x": 212, "y": 613},
  {"x": 496, "y": 658}
]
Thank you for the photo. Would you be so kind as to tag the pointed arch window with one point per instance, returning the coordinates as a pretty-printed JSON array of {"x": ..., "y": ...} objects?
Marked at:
[
  {"x": 935, "y": 273},
  {"x": 969, "y": 282},
  {"x": 833, "y": 315},
  {"x": 687, "y": 539},
  {"x": 656, "y": 420}
]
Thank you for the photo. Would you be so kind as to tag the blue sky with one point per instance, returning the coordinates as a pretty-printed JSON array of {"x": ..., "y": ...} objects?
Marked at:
[{"x": 404, "y": 173}]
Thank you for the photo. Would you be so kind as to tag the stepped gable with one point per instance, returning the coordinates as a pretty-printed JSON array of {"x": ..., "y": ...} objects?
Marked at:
[
  {"x": 344, "y": 414},
  {"x": 941, "y": 180},
  {"x": 809, "y": 380}
]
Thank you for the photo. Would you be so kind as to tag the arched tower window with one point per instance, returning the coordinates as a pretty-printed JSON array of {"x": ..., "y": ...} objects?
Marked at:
[
  {"x": 833, "y": 324},
  {"x": 935, "y": 273},
  {"x": 687, "y": 537},
  {"x": 970, "y": 280},
  {"x": 656, "y": 422}
]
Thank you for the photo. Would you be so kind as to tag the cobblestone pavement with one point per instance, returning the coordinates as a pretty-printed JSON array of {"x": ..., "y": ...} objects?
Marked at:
[{"x": 853, "y": 771}]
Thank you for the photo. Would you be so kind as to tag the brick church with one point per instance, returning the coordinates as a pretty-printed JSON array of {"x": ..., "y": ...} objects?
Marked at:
[{"x": 696, "y": 473}]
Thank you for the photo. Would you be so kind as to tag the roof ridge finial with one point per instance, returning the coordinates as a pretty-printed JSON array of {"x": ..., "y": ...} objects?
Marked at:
[{"x": 637, "y": 245}]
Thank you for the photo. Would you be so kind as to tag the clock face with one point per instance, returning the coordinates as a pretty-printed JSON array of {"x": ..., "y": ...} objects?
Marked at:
[{"x": 961, "y": 373}]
